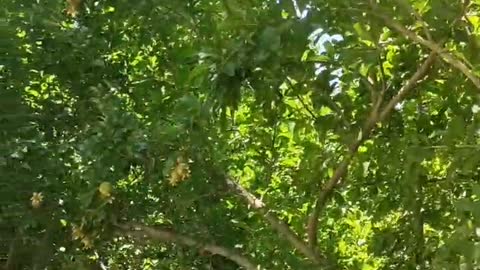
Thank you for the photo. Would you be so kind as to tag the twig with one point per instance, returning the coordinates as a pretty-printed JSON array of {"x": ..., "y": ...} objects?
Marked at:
[
  {"x": 341, "y": 171},
  {"x": 418, "y": 224},
  {"x": 417, "y": 16},
  {"x": 142, "y": 231},
  {"x": 411, "y": 83},
  {"x": 382, "y": 73},
  {"x": 310, "y": 112},
  {"x": 384, "y": 83},
  {"x": 275, "y": 155},
  {"x": 373, "y": 91}
]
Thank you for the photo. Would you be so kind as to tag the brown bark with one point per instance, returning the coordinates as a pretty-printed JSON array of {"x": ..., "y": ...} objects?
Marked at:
[{"x": 141, "y": 231}]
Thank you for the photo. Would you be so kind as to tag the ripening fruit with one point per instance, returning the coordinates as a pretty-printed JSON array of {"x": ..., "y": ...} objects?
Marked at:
[
  {"x": 179, "y": 173},
  {"x": 37, "y": 199},
  {"x": 77, "y": 233},
  {"x": 73, "y": 7},
  {"x": 105, "y": 189},
  {"x": 87, "y": 242}
]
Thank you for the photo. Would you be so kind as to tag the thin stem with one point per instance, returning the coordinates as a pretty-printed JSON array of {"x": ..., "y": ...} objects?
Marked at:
[
  {"x": 310, "y": 112},
  {"x": 418, "y": 223}
]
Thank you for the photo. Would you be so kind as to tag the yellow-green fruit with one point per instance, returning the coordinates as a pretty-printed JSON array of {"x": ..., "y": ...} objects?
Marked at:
[
  {"x": 37, "y": 199},
  {"x": 105, "y": 189}
]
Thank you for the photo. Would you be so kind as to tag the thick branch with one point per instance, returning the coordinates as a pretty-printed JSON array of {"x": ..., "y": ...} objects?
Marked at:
[
  {"x": 342, "y": 169},
  {"x": 275, "y": 222},
  {"x": 142, "y": 231},
  {"x": 436, "y": 48}
]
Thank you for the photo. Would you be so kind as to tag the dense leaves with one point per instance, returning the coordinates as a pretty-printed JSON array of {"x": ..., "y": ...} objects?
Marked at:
[{"x": 239, "y": 134}]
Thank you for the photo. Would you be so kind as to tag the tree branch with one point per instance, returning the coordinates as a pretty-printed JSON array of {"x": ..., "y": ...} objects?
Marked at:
[
  {"x": 405, "y": 4},
  {"x": 411, "y": 83},
  {"x": 434, "y": 47},
  {"x": 341, "y": 171},
  {"x": 141, "y": 231},
  {"x": 275, "y": 222}
]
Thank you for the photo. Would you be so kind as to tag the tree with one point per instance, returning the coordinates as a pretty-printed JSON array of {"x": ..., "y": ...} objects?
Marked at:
[{"x": 239, "y": 134}]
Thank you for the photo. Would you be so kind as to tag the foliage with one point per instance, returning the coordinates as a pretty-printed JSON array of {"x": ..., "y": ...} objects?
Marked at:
[{"x": 239, "y": 133}]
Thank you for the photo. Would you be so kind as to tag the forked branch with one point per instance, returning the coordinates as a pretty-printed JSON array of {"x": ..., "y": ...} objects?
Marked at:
[
  {"x": 341, "y": 171},
  {"x": 434, "y": 47}
]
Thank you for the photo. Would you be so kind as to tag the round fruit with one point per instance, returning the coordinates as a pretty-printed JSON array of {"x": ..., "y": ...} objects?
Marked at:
[{"x": 105, "y": 189}]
